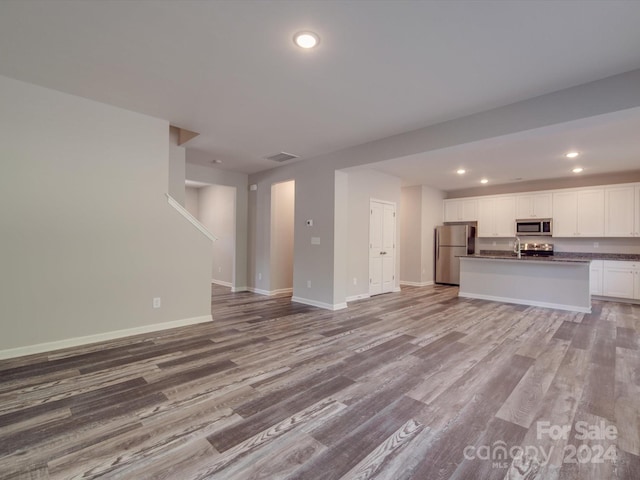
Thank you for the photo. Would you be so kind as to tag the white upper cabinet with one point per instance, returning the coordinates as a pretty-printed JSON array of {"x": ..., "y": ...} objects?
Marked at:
[
  {"x": 578, "y": 213},
  {"x": 602, "y": 211},
  {"x": 565, "y": 214},
  {"x": 461, "y": 210},
  {"x": 636, "y": 203},
  {"x": 619, "y": 211},
  {"x": 497, "y": 216},
  {"x": 533, "y": 205}
]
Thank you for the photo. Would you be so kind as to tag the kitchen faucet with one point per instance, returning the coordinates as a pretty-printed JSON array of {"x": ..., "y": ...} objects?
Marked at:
[{"x": 517, "y": 246}]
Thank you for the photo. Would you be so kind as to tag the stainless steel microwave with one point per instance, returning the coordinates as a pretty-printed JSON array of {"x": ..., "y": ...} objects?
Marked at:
[{"x": 534, "y": 227}]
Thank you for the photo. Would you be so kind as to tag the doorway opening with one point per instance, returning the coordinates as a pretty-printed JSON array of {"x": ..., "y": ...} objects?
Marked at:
[{"x": 282, "y": 237}]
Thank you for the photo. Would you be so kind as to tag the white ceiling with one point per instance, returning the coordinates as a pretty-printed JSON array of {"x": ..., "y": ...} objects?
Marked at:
[
  {"x": 606, "y": 144},
  {"x": 229, "y": 70}
]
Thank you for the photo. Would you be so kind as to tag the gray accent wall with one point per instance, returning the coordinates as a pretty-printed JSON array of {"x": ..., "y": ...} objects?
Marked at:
[{"x": 88, "y": 237}]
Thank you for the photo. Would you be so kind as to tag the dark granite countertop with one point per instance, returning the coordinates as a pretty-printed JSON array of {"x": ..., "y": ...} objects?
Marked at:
[
  {"x": 511, "y": 256},
  {"x": 565, "y": 256}
]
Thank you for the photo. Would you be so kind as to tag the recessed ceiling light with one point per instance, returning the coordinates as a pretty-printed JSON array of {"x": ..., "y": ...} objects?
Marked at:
[
  {"x": 577, "y": 170},
  {"x": 572, "y": 154},
  {"x": 306, "y": 39},
  {"x": 484, "y": 180},
  {"x": 216, "y": 161},
  {"x": 461, "y": 171}
]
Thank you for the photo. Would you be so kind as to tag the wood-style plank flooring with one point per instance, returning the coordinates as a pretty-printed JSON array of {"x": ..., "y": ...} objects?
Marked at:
[{"x": 417, "y": 384}]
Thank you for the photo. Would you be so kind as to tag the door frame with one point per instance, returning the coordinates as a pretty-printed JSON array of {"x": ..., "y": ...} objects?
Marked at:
[{"x": 395, "y": 242}]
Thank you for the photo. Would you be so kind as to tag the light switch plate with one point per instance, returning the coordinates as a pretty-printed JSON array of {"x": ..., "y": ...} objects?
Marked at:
[{"x": 315, "y": 240}]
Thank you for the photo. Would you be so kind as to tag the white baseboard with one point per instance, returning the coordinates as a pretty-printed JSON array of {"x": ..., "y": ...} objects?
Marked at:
[
  {"x": 239, "y": 289},
  {"x": 269, "y": 293},
  {"x": 221, "y": 282},
  {"x": 281, "y": 291},
  {"x": 313, "y": 303},
  {"x": 100, "y": 337},
  {"x": 362, "y": 296},
  {"x": 615, "y": 299},
  {"x": 416, "y": 284},
  {"x": 259, "y": 291},
  {"x": 396, "y": 289},
  {"x": 517, "y": 301}
]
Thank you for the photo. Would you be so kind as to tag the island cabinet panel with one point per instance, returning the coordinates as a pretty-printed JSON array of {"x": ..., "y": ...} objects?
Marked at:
[
  {"x": 546, "y": 283},
  {"x": 533, "y": 205},
  {"x": 620, "y": 212},
  {"x": 497, "y": 216},
  {"x": 578, "y": 213},
  {"x": 463, "y": 210}
]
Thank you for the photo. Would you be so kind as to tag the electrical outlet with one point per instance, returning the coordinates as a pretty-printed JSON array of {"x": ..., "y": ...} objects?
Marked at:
[
  {"x": 355, "y": 281},
  {"x": 308, "y": 283},
  {"x": 259, "y": 276},
  {"x": 157, "y": 302},
  {"x": 219, "y": 269},
  {"x": 596, "y": 245}
]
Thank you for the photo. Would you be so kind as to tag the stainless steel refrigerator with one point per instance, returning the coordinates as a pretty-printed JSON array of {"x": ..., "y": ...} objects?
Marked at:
[{"x": 453, "y": 241}]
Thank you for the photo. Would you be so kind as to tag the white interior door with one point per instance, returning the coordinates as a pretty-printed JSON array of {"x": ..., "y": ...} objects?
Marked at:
[{"x": 382, "y": 248}]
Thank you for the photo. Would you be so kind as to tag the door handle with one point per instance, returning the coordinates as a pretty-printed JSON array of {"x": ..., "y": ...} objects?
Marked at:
[{"x": 383, "y": 253}]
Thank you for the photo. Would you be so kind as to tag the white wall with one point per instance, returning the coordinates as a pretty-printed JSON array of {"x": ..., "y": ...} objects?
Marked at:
[
  {"x": 315, "y": 188},
  {"x": 177, "y": 157},
  {"x": 216, "y": 176},
  {"x": 191, "y": 201},
  {"x": 421, "y": 213},
  {"x": 316, "y": 185},
  {"x": 340, "y": 238},
  {"x": 282, "y": 235},
  {"x": 217, "y": 212},
  {"x": 366, "y": 185},
  {"x": 88, "y": 238},
  {"x": 411, "y": 235},
  {"x": 432, "y": 211}
]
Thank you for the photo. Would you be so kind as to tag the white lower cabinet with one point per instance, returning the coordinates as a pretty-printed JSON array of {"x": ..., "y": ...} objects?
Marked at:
[
  {"x": 595, "y": 277},
  {"x": 621, "y": 279}
]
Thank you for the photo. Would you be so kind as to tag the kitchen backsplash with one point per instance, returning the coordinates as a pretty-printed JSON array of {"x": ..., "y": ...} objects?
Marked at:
[{"x": 582, "y": 245}]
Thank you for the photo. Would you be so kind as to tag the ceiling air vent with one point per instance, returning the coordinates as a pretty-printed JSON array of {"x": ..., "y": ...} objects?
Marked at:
[{"x": 281, "y": 157}]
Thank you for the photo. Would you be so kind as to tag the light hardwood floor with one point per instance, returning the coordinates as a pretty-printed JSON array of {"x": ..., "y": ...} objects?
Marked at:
[{"x": 417, "y": 384}]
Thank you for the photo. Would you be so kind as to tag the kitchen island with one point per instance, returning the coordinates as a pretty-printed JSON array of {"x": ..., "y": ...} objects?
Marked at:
[{"x": 561, "y": 283}]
